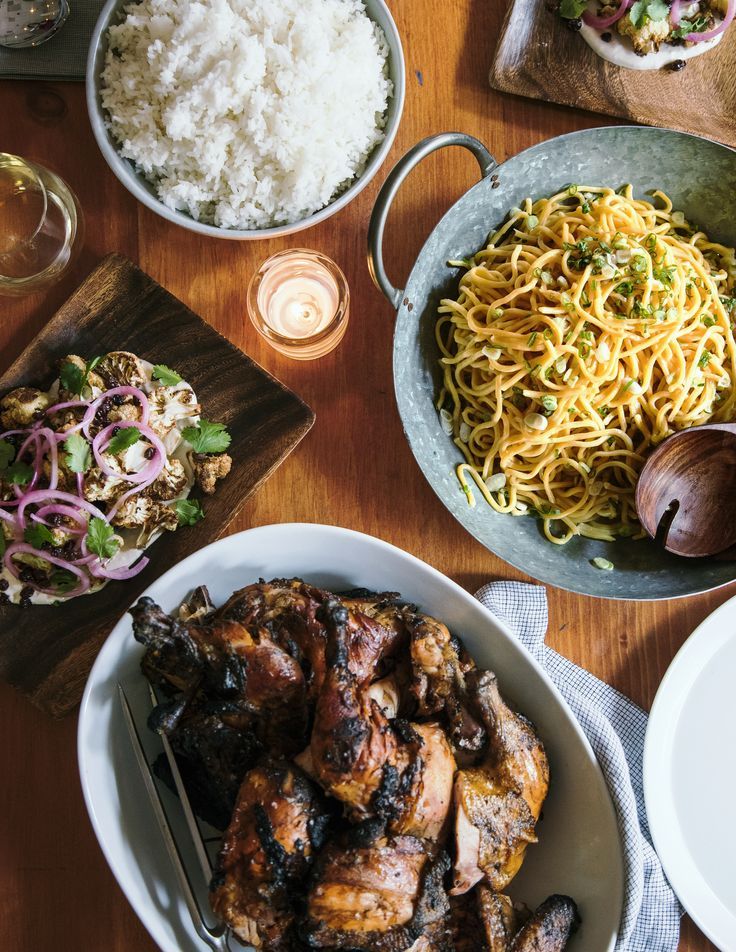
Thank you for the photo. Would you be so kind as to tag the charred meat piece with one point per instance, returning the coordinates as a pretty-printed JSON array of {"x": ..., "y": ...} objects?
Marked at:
[
  {"x": 384, "y": 896},
  {"x": 172, "y": 660},
  {"x": 224, "y": 659},
  {"x": 424, "y": 796},
  {"x": 278, "y": 826},
  {"x": 354, "y": 752},
  {"x": 549, "y": 928},
  {"x": 439, "y": 671},
  {"x": 289, "y": 609},
  {"x": 498, "y": 803},
  {"x": 482, "y": 921},
  {"x": 215, "y": 745},
  {"x": 498, "y": 919}
]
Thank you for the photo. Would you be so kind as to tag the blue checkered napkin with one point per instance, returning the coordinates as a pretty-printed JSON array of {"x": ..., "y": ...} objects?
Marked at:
[{"x": 615, "y": 727}]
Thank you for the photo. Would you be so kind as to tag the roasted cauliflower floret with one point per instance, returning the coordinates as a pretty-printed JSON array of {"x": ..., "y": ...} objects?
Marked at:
[
  {"x": 170, "y": 483},
  {"x": 93, "y": 379},
  {"x": 125, "y": 413},
  {"x": 122, "y": 369},
  {"x": 22, "y": 407},
  {"x": 150, "y": 515},
  {"x": 99, "y": 487},
  {"x": 648, "y": 37},
  {"x": 208, "y": 469},
  {"x": 169, "y": 404}
]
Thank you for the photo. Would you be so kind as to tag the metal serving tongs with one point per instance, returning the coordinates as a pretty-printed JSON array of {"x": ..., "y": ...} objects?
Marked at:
[{"x": 216, "y": 937}]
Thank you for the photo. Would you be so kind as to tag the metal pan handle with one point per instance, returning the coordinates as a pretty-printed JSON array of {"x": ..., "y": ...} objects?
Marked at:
[{"x": 391, "y": 186}]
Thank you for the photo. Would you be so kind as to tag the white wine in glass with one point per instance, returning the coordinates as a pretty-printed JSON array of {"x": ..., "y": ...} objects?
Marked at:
[{"x": 41, "y": 226}]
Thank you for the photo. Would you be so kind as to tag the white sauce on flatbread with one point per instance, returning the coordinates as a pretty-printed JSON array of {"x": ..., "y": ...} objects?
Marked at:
[{"x": 620, "y": 52}]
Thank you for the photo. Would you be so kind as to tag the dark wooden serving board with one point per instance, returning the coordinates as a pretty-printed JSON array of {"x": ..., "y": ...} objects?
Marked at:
[
  {"x": 539, "y": 57},
  {"x": 47, "y": 651}
]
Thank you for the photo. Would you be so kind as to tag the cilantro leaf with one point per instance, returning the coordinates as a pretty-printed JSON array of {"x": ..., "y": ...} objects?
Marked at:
[
  {"x": 123, "y": 440},
  {"x": 63, "y": 580},
  {"x": 38, "y": 535},
  {"x": 645, "y": 10},
  {"x": 73, "y": 378},
  {"x": 18, "y": 473},
  {"x": 101, "y": 538},
  {"x": 207, "y": 437},
  {"x": 166, "y": 375},
  {"x": 78, "y": 456},
  {"x": 189, "y": 511},
  {"x": 7, "y": 453},
  {"x": 3, "y": 543},
  {"x": 572, "y": 9},
  {"x": 686, "y": 27}
]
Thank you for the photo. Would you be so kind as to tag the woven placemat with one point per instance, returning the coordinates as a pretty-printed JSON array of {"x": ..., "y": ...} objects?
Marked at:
[{"x": 64, "y": 56}]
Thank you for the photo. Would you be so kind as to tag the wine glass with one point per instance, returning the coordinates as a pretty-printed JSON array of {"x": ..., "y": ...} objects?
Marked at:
[{"x": 41, "y": 226}]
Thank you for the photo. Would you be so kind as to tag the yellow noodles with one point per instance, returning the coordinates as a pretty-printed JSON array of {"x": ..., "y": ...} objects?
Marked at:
[{"x": 591, "y": 327}]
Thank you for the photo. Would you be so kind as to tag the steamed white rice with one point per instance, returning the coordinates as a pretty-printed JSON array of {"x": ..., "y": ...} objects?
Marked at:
[{"x": 247, "y": 113}]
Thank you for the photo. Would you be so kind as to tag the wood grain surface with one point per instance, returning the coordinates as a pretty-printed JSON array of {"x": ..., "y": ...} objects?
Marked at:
[
  {"x": 353, "y": 469},
  {"x": 48, "y": 651},
  {"x": 539, "y": 56}
]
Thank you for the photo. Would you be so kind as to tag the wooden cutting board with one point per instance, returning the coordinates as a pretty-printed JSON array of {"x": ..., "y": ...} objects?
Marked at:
[
  {"x": 47, "y": 651},
  {"x": 539, "y": 57}
]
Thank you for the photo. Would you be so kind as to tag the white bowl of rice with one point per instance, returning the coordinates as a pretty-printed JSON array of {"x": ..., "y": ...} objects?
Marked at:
[{"x": 245, "y": 119}]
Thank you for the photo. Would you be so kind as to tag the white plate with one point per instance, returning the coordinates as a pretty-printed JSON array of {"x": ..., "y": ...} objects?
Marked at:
[
  {"x": 579, "y": 851},
  {"x": 690, "y": 775}
]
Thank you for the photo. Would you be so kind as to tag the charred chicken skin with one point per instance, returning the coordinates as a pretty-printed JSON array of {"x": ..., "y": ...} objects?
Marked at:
[
  {"x": 400, "y": 771},
  {"x": 549, "y": 928},
  {"x": 276, "y": 831},
  {"x": 355, "y": 754},
  {"x": 384, "y": 897},
  {"x": 291, "y": 610},
  {"x": 439, "y": 681},
  {"x": 498, "y": 803}
]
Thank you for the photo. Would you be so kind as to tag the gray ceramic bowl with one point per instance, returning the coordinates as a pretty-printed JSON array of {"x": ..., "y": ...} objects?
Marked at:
[
  {"x": 139, "y": 187},
  {"x": 700, "y": 177}
]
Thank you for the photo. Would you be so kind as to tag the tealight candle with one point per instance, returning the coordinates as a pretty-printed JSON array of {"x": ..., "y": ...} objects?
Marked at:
[{"x": 298, "y": 301}]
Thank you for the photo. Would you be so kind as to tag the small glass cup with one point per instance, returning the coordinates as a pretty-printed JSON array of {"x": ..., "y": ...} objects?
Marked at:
[
  {"x": 299, "y": 301},
  {"x": 41, "y": 226}
]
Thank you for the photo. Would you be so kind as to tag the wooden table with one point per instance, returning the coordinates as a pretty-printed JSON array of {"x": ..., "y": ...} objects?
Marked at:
[{"x": 354, "y": 469}]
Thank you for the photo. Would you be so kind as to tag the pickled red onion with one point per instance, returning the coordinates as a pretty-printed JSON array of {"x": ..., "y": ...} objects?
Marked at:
[
  {"x": 717, "y": 30},
  {"x": 149, "y": 472},
  {"x": 602, "y": 23},
  {"x": 26, "y": 549}
]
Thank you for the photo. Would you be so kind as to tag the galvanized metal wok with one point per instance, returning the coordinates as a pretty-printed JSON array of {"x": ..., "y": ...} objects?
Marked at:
[{"x": 700, "y": 177}]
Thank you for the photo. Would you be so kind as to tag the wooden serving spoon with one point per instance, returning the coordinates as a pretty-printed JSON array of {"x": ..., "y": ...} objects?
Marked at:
[{"x": 686, "y": 494}]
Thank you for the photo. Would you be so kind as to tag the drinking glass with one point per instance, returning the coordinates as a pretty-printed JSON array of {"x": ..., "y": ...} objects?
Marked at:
[{"x": 41, "y": 226}]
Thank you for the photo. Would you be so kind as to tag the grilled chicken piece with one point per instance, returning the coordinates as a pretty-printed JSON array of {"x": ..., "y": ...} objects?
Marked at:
[
  {"x": 498, "y": 919},
  {"x": 277, "y": 829},
  {"x": 498, "y": 803},
  {"x": 289, "y": 609},
  {"x": 355, "y": 754},
  {"x": 226, "y": 660},
  {"x": 384, "y": 896},
  {"x": 397, "y": 770},
  {"x": 549, "y": 928},
  {"x": 482, "y": 921},
  {"x": 438, "y": 682},
  {"x": 215, "y": 744},
  {"x": 425, "y": 790}
]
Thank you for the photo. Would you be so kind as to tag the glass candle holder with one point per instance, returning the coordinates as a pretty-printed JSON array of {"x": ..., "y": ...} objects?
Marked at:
[{"x": 299, "y": 301}]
